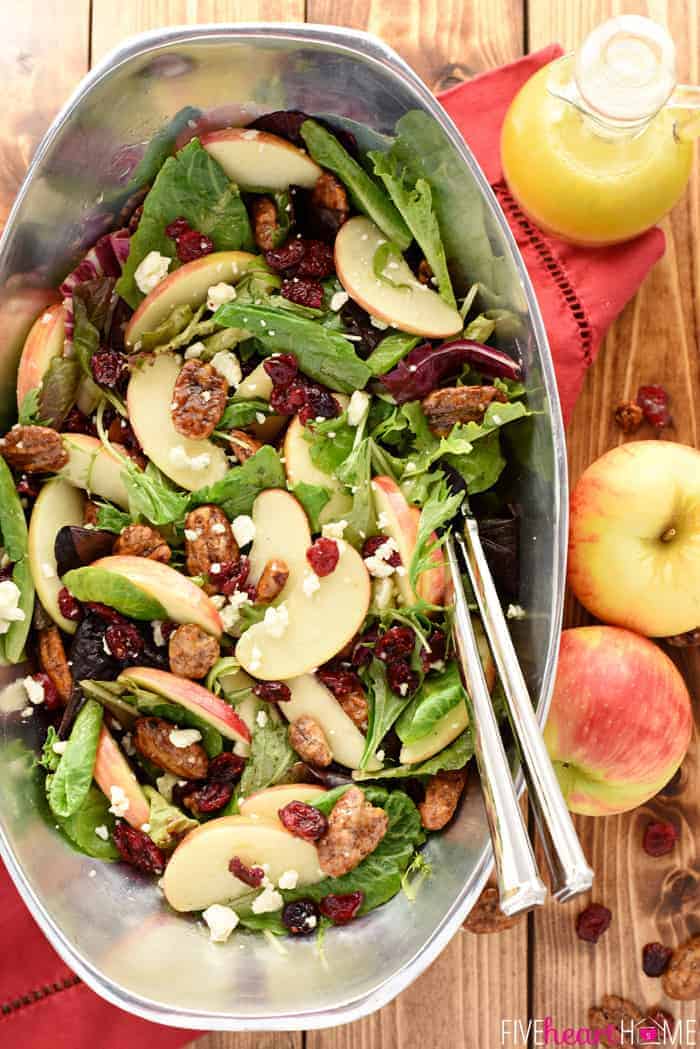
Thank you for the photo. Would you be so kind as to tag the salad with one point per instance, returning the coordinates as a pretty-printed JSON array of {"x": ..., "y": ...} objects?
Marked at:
[{"x": 244, "y": 427}]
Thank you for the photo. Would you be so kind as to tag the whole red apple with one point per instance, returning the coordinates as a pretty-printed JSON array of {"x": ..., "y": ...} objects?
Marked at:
[
  {"x": 620, "y": 721},
  {"x": 634, "y": 546}
]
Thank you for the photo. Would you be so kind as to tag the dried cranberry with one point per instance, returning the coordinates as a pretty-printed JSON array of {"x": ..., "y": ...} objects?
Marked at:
[
  {"x": 340, "y": 682},
  {"x": 51, "y": 697},
  {"x": 167, "y": 629},
  {"x": 201, "y": 799},
  {"x": 396, "y": 642},
  {"x": 653, "y": 400},
  {"x": 371, "y": 545},
  {"x": 123, "y": 641},
  {"x": 69, "y": 606},
  {"x": 659, "y": 838},
  {"x": 108, "y": 368},
  {"x": 317, "y": 260},
  {"x": 286, "y": 257},
  {"x": 592, "y": 922},
  {"x": 6, "y": 571},
  {"x": 401, "y": 678},
  {"x": 27, "y": 486},
  {"x": 303, "y": 821},
  {"x": 273, "y": 691},
  {"x": 225, "y": 768},
  {"x": 323, "y": 556},
  {"x": 341, "y": 908},
  {"x": 252, "y": 876},
  {"x": 436, "y": 650},
  {"x": 300, "y": 917},
  {"x": 319, "y": 404},
  {"x": 77, "y": 422},
  {"x": 136, "y": 848},
  {"x": 655, "y": 958},
  {"x": 282, "y": 368},
  {"x": 105, "y": 612},
  {"x": 193, "y": 245},
  {"x": 177, "y": 227},
  {"x": 287, "y": 400},
  {"x": 121, "y": 432},
  {"x": 303, "y": 291},
  {"x": 361, "y": 655},
  {"x": 231, "y": 576}
]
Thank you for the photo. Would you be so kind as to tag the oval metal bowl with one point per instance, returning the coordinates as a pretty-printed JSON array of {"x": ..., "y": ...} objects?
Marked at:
[{"x": 114, "y": 928}]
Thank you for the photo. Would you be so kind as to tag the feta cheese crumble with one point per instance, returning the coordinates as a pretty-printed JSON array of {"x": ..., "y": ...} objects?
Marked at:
[
  {"x": 268, "y": 900},
  {"x": 515, "y": 612},
  {"x": 151, "y": 271},
  {"x": 194, "y": 351},
  {"x": 378, "y": 563},
  {"x": 310, "y": 584},
  {"x": 338, "y": 300},
  {"x": 59, "y": 747},
  {"x": 255, "y": 659},
  {"x": 334, "y": 529},
  {"x": 261, "y": 719},
  {"x": 276, "y": 620},
  {"x": 34, "y": 690},
  {"x": 179, "y": 457},
  {"x": 243, "y": 528},
  {"x": 220, "y": 293},
  {"x": 119, "y": 800},
  {"x": 102, "y": 832},
  {"x": 221, "y": 922},
  {"x": 9, "y": 601},
  {"x": 358, "y": 407},
  {"x": 228, "y": 365},
  {"x": 157, "y": 627},
  {"x": 288, "y": 879},
  {"x": 165, "y": 784},
  {"x": 184, "y": 737},
  {"x": 230, "y": 613}
]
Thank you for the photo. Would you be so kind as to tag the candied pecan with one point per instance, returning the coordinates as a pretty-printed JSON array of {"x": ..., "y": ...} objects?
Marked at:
[
  {"x": 682, "y": 978},
  {"x": 486, "y": 915},
  {"x": 90, "y": 512},
  {"x": 691, "y": 639},
  {"x": 199, "y": 399},
  {"x": 308, "y": 739},
  {"x": 272, "y": 581},
  {"x": 615, "y": 1012},
  {"x": 442, "y": 793},
  {"x": 266, "y": 228},
  {"x": 52, "y": 658},
  {"x": 347, "y": 688},
  {"x": 629, "y": 416},
  {"x": 458, "y": 404},
  {"x": 425, "y": 273},
  {"x": 355, "y": 828},
  {"x": 330, "y": 193},
  {"x": 135, "y": 847},
  {"x": 243, "y": 445},
  {"x": 152, "y": 740},
  {"x": 140, "y": 540},
  {"x": 208, "y": 541},
  {"x": 192, "y": 652},
  {"x": 34, "y": 449}
]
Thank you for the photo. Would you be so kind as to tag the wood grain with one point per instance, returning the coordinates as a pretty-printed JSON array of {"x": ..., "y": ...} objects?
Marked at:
[{"x": 654, "y": 341}]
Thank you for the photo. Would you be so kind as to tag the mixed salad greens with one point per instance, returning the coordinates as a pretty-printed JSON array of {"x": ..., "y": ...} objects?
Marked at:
[{"x": 244, "y": 427}]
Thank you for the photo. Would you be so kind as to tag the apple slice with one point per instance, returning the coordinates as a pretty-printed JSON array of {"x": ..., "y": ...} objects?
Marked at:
[
  {"x": 411, "y": 306},
  {"x": 149, "y": 397},
  {"x": 19, "y": 308},
  {"x": 198, "y": 875},
  {"x": 311, "y": 698},
  {"x": 402, "y": 523},
  {"x": 265, "y": 804},
  {"x": 57, "y": 504},
  {"x": 95, "y": 468},
  {"x": 182, "y": 600},
  {"x": 300, "y": 467},
  {"x": 186, "y": 286},
  {"x": 259, "y": 161},
  {"x": 193, "y": 697},
  {"x": 454, "y": 722},
  {"x": 113, "y": 770},
  {"x": 320, "y": 623},
  {"x": 258, "y": 387},
  {"x": 44, "y": 342}
]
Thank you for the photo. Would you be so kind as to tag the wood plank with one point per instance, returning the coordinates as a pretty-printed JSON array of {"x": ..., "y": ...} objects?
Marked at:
[
  {"x": 44, "y": 55},
  {"x": 654, "y": 341}
]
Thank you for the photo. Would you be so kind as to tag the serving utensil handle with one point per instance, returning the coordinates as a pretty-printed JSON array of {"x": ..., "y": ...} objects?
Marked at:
[
  {"x": 519, "y": 884},
  {"x": 570, "y": 873}
]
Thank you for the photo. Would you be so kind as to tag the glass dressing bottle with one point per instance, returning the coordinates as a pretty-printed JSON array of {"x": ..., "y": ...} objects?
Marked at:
[{"x": 597, "y": 146}]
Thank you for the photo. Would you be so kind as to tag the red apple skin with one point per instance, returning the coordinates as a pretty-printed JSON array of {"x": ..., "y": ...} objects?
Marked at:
[
  {"x": 113, "y": 770},
  {"x": 620, "y": 721},
  {"x": 619, "y": 567},
  {"x": 45, "y": 341},
  {"x": 431, "y": 583},
  {"x": 19, "y": 308}
]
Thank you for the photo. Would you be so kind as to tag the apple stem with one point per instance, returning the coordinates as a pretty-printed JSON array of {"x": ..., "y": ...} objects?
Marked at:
[{"x": 668, "y": 535}]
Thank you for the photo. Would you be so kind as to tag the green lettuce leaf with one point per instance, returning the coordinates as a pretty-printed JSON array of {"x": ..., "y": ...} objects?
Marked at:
[
  {"x": 14, "y": 535},
  {"x": 191, "y": 185},
  {"x": 270, "y": 759},
  {"x": 331, "y": 443},
  {"x": 454, "y": 756},
  {"x": 72, "y": 779},
  {"x": 237, "y": 490},
  {"x": 99, "y": 584},
  {"x": 153, "y": 496},
  {"x": 111, "y": 519},
  {"x": 438, "y": 509},
  {"x": 168, "y": 823},
  {"x": 392, "y": 349},
  {"x": 79, "y": 828},
  {"x": 438, "y": 695},
  {"x": 385, "y": 707},
  {"x": 177, "y": 321},
  {"x": 49, "y": 759},
  {"x": 238, "y": 414},
  {"x": 313, "y": 497}
]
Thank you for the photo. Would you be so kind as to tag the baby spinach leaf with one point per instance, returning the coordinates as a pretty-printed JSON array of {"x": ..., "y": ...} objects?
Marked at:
[
  {"x": 79, "y": 828},
  {"x": 270, "y": 759},
  {"x": 322, "y": 354},
  {"x": 392, "y": 349},
  {"x": 438, "y": 694},
  {"x": 367, "y": 196},
  {"x": 326, "y": 802},
  {"x": 313, "y": 497},
  {"x": 242, "y": 413},
  {"x": 18, "y": 630},
  {"x": 384, "y": 708},
  {"x": 111, "y": 519},
  {"x": 414, "y": 200},
  {"x": 13, "y": 525},
  {"x": 86, "y": 336},
  {"x": 237, "y": 490},
  {"x": 71, "y": 782},
  {"x": 194, "y": 186},
  {"x": 161, "y": 146},
  {"x": 455, "y": 756},
  {"x": 168, "y": 823},
  {"x": 153, "y": 496},
  {"x": 108, "y": 588},
  {"x": 331, "y": 443}
]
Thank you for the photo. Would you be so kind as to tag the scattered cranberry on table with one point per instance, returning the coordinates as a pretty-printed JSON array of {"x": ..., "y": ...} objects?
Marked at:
[
  {"x": 660, "y": 838},
  {"x": 655, "y": 958},
  {"x": 592, "y": 922},
  {"x": 653, "y": 400}
]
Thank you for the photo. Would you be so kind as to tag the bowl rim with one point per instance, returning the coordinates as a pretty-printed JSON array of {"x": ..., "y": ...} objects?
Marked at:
[{"x": 369, "y": 48}]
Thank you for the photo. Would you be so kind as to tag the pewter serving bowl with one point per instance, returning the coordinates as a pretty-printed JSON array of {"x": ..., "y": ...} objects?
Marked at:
[{"x": 114, "y": 928}]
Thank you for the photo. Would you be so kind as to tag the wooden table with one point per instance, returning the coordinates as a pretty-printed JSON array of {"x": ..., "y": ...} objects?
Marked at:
[{"x": 538, "y": 968}]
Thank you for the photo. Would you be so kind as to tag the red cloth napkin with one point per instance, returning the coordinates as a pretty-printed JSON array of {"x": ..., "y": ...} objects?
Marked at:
[{"x": 580, "y": 292}]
